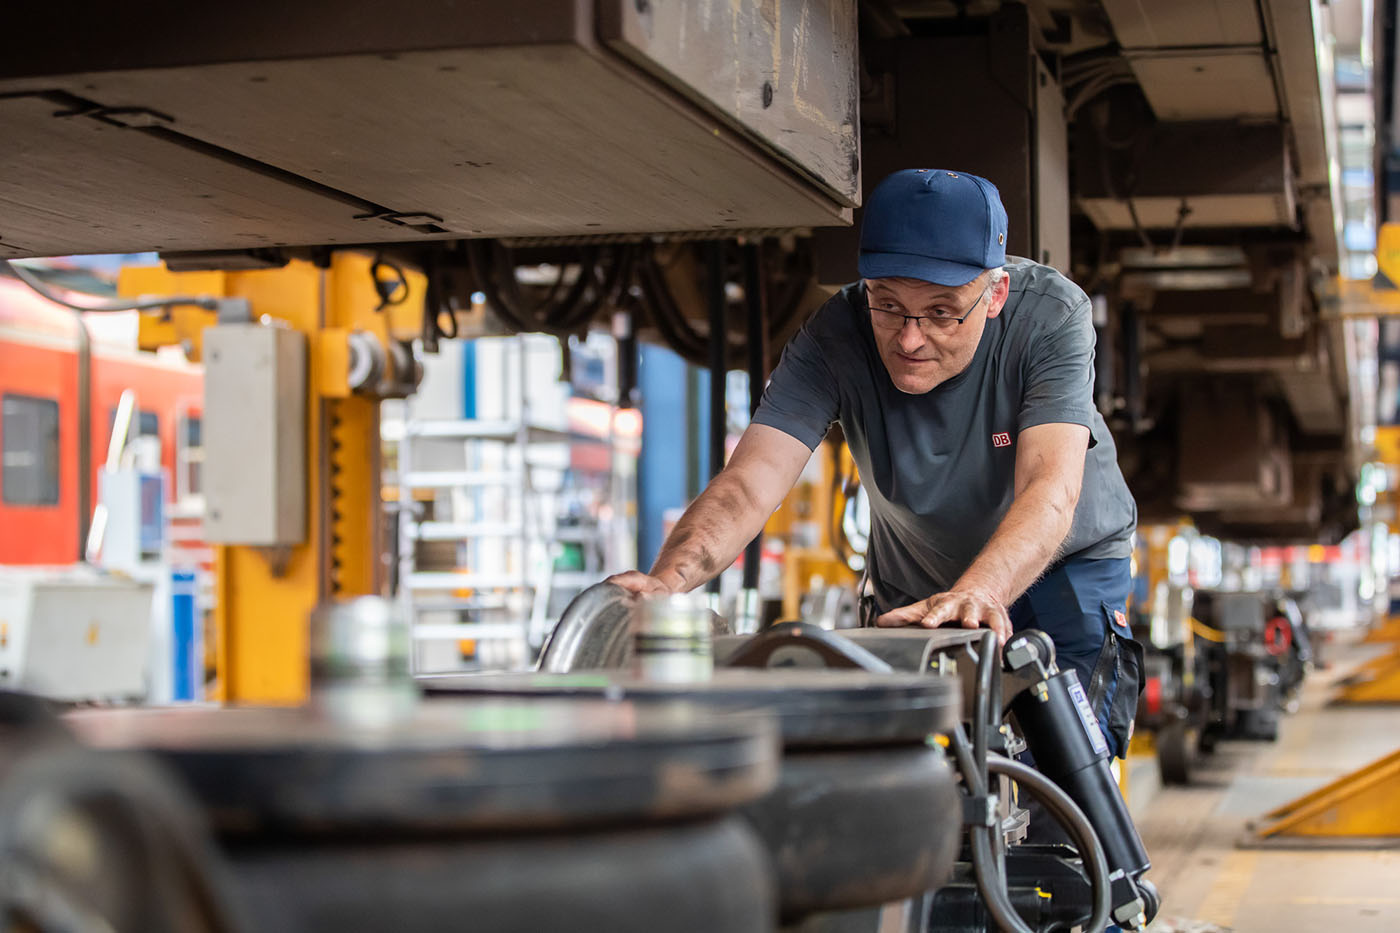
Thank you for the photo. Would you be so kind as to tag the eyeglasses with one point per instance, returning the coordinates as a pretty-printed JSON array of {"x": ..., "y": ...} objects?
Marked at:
[{"x": 940, "y": 319}]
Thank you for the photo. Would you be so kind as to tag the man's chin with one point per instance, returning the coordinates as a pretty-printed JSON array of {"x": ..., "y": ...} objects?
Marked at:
[{"x": 910, "y": 386}]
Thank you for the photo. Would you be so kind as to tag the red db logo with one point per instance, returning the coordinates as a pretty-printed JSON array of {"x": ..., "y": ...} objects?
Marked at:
[{"x": 1001, "y": 439}]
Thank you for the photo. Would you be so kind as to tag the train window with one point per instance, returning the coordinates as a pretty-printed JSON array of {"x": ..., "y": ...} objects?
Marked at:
[
  {"x": 147, "y": 422},
  {"x": 189, "y": 454},
  {"x": 28, "y": 450},
  {"x": 143, "y": 447}
]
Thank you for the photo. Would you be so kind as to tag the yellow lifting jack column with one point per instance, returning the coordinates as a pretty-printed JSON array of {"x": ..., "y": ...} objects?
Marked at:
[{"x": 357, "y": 353}]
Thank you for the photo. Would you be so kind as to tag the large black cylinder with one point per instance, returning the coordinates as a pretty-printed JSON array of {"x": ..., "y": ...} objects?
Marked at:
[
  {"x": 865, "y": 812},
  {"x": 1063, "y": 736},
  {"x": 495, "y": 815}
]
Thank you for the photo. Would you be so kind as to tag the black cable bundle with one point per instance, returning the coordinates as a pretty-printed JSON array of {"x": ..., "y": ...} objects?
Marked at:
[
  {"x": 786, "y": 290},
  {"x": 604, "y": 274}
]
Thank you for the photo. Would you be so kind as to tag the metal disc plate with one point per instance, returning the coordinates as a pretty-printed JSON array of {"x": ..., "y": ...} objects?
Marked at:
[
  {"x": 469, "y": 765},
  {"x": 813, "y": 707}
]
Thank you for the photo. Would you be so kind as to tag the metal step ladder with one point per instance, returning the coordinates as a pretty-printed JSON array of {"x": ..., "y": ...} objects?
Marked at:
[{"x": 470, "y": 485}]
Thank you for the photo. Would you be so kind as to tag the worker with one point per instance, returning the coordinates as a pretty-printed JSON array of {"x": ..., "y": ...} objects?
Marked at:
[{"x": 963, "y": 384}]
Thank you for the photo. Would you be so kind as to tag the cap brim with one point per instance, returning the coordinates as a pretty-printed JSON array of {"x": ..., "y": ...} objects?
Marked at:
[{"x": 907, "y": 266}]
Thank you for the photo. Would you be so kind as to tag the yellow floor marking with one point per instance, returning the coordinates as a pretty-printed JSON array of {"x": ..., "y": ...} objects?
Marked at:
[
  {"x": 1347, "y": 901},
  {"x": 1222, "y": 901}
]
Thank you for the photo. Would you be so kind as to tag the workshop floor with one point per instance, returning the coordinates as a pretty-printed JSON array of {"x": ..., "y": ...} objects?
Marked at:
[{"x": 1209, "y": 884}]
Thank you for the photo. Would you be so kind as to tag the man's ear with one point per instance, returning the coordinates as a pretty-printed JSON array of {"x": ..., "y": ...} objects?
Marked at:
[{"x": 997, "y": 299}]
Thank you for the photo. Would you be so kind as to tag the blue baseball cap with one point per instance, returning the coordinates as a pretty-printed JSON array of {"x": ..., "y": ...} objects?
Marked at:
[{"x": 934, "y": 225}]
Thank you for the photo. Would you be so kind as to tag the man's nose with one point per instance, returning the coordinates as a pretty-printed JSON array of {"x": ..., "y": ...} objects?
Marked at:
[{"x": 910, "y": 337}]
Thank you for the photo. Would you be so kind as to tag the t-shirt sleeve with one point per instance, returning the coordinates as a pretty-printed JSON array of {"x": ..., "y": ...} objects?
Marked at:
[
  {"x": 1059, "y": 374},
  {"x": 802, "y": 398}
]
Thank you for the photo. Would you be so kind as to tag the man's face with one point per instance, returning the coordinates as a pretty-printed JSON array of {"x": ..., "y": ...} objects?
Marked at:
[{"x": 916, "y": 327}]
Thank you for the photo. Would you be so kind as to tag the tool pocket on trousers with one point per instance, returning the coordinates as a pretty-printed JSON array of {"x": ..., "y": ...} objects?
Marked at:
[{"x": 1119, "y": 668}]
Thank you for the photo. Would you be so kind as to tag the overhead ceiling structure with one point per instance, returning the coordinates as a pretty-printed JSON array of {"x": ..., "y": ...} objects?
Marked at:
[
  {"x": 1241, "y": 94},
  {"x": 177, "y": 126},
  {"x": 1235, "y": 145}
]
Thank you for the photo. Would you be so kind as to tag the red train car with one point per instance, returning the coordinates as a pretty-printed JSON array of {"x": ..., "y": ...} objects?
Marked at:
[{"x": 61, "y": 376}]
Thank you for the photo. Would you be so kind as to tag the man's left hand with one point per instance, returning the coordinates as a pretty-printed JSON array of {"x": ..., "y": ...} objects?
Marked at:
[{"x": 968, "y": 608}]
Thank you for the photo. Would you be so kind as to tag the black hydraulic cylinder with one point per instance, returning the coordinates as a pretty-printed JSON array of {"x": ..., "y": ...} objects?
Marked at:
[{"x": 1063, "y": 736}]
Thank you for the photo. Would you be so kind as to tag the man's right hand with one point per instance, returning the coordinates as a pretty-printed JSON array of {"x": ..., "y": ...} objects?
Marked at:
[
  {"x": 639, "y": 584},
  {"x": 967, "y": 607}
]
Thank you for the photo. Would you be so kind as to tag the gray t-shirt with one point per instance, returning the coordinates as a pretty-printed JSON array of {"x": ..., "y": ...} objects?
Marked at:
[{"x": 939, "y": 468}]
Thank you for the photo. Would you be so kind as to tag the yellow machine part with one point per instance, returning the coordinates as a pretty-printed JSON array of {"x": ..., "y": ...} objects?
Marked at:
[
  {"x": 265, "y": 598},
  {"x": 1386, "y": 633},
  {"x": 1376, "y": 681},
  {"x": 815, "y": 505},
  {"x": 1361, "y": 806}
]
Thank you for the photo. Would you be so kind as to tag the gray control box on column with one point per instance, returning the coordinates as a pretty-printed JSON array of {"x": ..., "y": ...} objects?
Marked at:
[{"x": 254, "y": 435}]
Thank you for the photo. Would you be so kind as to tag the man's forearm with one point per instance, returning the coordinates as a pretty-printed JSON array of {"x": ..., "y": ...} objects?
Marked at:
[
  {"x": 1024, "y": 544},
  {"x": 709, "y": 535}
]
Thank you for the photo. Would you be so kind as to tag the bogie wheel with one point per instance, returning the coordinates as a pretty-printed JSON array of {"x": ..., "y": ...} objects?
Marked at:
[
  {"x": 1176, "y": 751},
  {"x": 1210, "y": 737}
]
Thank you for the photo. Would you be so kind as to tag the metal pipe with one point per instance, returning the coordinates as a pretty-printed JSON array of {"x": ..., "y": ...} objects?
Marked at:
[
  {"x": 714, "y": 282},
  {"x": 694, "y": 417},
  {"x": 757, "y": 303},
  {"x": 1130, "y": 321},
  {"x": 84, "y": 434}
]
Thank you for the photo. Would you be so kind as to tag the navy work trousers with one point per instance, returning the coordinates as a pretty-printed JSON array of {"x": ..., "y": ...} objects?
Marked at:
[{"x": 1077, "y": 603}]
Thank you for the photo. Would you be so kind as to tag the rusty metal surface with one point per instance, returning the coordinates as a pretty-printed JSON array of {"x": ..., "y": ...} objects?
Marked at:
[
  {"x": 690, "y": 878},
  {"x": 852, "y": 829},
  {"x": 785, "y": 72},
  {"x": 464, "y": 766},
  {"x": 812, "y": 707}
]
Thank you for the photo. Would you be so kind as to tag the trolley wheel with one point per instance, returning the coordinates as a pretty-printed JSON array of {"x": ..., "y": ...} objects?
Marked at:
[
  {"x": 1209, "y": 738},
  {"x": 1176, "y": 752}
]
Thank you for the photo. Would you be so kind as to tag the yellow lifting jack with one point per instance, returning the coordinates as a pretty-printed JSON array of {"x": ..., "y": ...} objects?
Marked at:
[
  {"x": 1375, "y": 681},
  {"x": 1378, "y": 680},
  {"x": 354, "y": 351},
  {"x": 1360, "y": 809}
]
